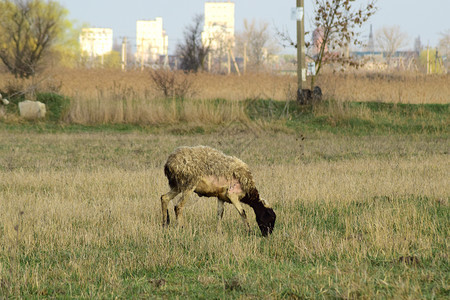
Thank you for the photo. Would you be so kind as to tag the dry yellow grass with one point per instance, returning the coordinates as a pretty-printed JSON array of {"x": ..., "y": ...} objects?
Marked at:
[
  {"x": 128, "y": 110},
  {"x": 80, "y": 217},
  {"x": 396, "y": 88},
  {"x": 82, "y": 84}
]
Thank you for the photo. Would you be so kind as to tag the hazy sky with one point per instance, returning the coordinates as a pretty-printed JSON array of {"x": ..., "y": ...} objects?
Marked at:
[{"x": 417, "y": 18}]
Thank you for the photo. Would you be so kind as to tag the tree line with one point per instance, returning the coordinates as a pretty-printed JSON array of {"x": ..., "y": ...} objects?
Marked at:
[{"x": 36, "y": 33}]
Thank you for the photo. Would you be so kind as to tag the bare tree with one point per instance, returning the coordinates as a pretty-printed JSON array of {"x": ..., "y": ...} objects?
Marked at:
[
  {"x": 444, "y": 46},
  {"x": 444, "y": 41},
  {"x": 257, "y": 41},
  {"x": 192, "y": 51},
  {"x": 390, "y": 39},
  {"x": 337, "y": 22},
  {"x": 219, "y": 43},
  {"x": 28, "y": 30}
]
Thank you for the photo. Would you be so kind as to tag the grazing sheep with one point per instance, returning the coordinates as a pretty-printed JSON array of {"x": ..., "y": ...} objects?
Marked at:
[
  {"x": 32, "y": 109},
  {"x": 4, "y": 101},
  {"x": 210, "y": 173}
]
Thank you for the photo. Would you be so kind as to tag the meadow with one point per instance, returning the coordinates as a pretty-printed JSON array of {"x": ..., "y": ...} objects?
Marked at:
[
  {"x": 358, "y": 217},
  {"x": 360, "y": 190}
]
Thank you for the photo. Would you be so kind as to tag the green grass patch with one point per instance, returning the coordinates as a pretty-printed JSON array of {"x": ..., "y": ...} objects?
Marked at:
[
  {"x": 349, "y": 118},
  {"x": 360, "y": 118},
  {"x": 57, "y": 105}
]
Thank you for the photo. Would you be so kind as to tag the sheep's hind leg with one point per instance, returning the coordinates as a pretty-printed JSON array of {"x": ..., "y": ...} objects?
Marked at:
[
  {"x": 165, "y": 199},
  {"x": 220, "y": 209},
  {"x": 179, "y": 207}
]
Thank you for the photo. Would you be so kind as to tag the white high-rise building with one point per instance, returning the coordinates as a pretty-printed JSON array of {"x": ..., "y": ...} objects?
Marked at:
[
  {"x": 218, "y": 29},
  {"x": 96, "y": 41},
  {"x": 151, "y": 41}
]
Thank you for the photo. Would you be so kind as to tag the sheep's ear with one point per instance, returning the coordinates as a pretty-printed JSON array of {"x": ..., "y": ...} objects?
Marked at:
[{"x": 265, "y": 203}]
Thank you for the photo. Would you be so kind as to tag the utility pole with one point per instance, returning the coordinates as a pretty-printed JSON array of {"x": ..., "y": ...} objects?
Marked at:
[
  {"x": 142, "y": 54},
  {"x": 301, "y": 64},
  {"x": 228, "y": 62},
  {"x": 245, "y": 57},
  {"x": 165, "y": 53},
  {"x": 209, "y": 61},
  {"x": 234, "y": 61},
  {"x": 435, "y": 61},
  {"x": 124, "y": 53}
]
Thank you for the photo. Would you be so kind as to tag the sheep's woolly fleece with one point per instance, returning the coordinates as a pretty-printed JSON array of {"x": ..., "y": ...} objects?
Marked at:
[{"x": 187, "y": 165}]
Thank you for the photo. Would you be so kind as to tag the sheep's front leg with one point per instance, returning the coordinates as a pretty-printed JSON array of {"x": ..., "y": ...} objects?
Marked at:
[
  {"x": 220, "y": 209},
  {"x": 179, "y": 207},
  {"x": 235, "y": 201},
  {"x": 165, "y": 199}
]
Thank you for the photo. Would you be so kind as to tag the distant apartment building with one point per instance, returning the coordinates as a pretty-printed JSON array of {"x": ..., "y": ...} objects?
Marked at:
[
  {"x": 218, "y": 29},
  {"x": 151, "y": 41},
  {"x": 96, "y": 41}
]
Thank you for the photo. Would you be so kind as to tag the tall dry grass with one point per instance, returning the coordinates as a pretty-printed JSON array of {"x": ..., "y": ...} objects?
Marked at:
[
  {"x": 390, "y": 87},
  {"x": 129, "y": 110}
]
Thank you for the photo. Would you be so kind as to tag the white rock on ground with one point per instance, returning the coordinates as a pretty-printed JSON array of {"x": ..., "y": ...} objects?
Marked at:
[{"x": 32, "y": 109}]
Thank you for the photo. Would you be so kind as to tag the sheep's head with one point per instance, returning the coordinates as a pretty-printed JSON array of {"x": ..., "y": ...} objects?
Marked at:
[
  {"x": 266, "y": 220},
  {"x": 265, "y": 216}
]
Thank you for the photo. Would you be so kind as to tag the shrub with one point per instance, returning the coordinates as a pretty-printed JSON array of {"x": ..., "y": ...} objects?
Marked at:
[
  {"x": 57, "y": 105},
  {"x": 173, "y": 84}
]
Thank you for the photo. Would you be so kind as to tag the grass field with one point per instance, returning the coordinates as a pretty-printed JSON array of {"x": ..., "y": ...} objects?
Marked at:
[
  {"x": 359, "y": 183},
  {"x": 359, "y": 215}
]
